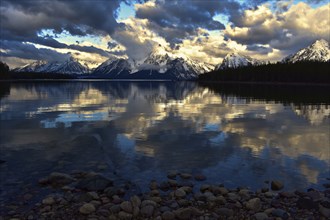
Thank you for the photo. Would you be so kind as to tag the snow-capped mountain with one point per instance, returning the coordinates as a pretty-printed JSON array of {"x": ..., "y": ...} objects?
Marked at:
[
  {"x": 70, "y": 66},
  {"x": 235, "y": 60},
  {"x": 318, "y": 51},
  {"x": 159, "y": 64}
]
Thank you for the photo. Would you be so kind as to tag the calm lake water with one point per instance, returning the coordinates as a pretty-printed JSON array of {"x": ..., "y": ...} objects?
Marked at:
[{"x": 235, "y": 135}]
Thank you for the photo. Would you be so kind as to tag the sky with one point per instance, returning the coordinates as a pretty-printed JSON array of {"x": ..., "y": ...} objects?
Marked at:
[{"x": 94, "y": 31}]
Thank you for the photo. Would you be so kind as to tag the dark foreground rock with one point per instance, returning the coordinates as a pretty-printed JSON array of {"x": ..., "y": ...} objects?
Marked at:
[{"x": 93, "y": 196}]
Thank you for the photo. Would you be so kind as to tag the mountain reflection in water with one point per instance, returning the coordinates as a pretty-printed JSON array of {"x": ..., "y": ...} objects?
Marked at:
[{"x": 144, "y": 129}]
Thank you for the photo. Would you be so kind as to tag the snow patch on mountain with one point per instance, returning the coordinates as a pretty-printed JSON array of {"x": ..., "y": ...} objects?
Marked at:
[
  {"x": 70, "y": 66},
  {"x": 318, "y": 51},
  {"x": 159, "y": 62},
  {"x": 235, "y": 60}
]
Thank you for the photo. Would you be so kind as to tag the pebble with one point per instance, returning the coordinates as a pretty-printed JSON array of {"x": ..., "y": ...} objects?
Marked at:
[
  {"x": 276, "y": 185},
  {"x": 167, "y": 215},
  {"x": 324, "y": 211},
  {"x": 147, "y": 210},
  {"x": 172, "y": 174},
  {"x": 126, "y": 206},
  {"x": 223, "y": 190},
  {"x": 148, "y": 202},
  {"x": 225, "y": 212},
  {"x": 48, "y": 201},
  {"x": 306, "y": 203},
  {"x": 261, "y": 216},
  {"x": 95, "y": 182},
  {"x": 153, "y": 185},
  {"x": 183, "y": 213},
  {"x": 280, "y": 213},
  {"x": 136, "y": 201},
  {"x": 115, "y": 209},
  {"x": 185, "y": 175},
  {"x": 254, "y": 204},
  {"x": 125, "y": 216},
  {"x": 200, "y": 177},
  {"x": 179, "y": 193},
  {"x": 87, "y": 208}
]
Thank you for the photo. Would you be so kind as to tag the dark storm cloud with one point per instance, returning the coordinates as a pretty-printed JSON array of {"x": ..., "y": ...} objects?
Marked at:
[
  {"x": 26, "y": 18},
  {"x": 22, "y": 21},
  {"x": 175, "y": 20},
  {"x": 29, "y": 51}
]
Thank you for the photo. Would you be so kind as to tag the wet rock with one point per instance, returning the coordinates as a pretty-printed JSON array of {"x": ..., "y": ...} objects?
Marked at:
[
  {"x": 187, "y": 189},
  {"x": 179, "y": 193},
  {"x": 103, "y": 212},
  {"x": 324, "y": 211},
  {"x": 183, "y": 213},
  {"x": 254, "y": 204},
  {"x": 314, "y": 195},
  {"x": 287, "y": 194},
  {"x": 153, "y": 185},
  {"x": 269, "y": 194},
  {"x": 204, "y": 187},
  {"x": 261, "y": 216},
  {"x": 223, "y": 190},
  {"x": 220, "y": 200},
  {"x": 115, "y": 209},
  {"x": 48, "y": 201},
  {"x": 156, "y": 199},
  {"x": 167, "y": 215},
  {"x": 280, "y": 213},
  {"x": 244, "y": 193},
  {"x": 136, "y": 201},
  {"x": 225, "y": 212},
  {"x": 215, "y": 190},
  {"x": 126, "y": 206},
  {"x": 110, "y": 191},
  {"x": 172, "y": 183},
  {"x": 27, "y": 196},
  {"x": 233, "y": 196},
  {"x": 183, "y": 202},
  {"x": 57, "y": 179},
  {"x": 93, "y": 195},
  {"x": 94, "y": 183},
  {"x": 276, "y": 185},
  {"x": 125, "y": 216},
  {"x": 306, "y": 203},
  {"x": 148, "y": 202},
  {"x": 154, "y": 192},
  {"x": 87, "y": 208},
  {"x": 185, "y": 175},
  {"x": 164, "y": 186},
  {"x": 147, "y": 210},
  {"x": 172, "y": 174},
  {"x": 200, "y": 177}
]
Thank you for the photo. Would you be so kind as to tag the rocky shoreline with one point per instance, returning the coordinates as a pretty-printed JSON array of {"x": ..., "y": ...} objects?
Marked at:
[{"x": 92, "y": 196}]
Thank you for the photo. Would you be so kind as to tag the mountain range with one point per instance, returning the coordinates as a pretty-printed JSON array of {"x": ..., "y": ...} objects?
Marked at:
[{"x": 162, "y": 64}]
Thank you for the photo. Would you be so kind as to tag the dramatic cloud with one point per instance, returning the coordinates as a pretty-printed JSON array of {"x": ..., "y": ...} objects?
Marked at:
[
  {"x": 204, "y": 30},
  {"x": 176, "y": 20},
  {"x": 289, "y": 31},
  {"x": 29, "y": 51},
  {"x": 26, "y": 18}
]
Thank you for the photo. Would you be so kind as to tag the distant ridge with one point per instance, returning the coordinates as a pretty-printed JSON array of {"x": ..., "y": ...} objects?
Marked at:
[{"x": 70, "y": 66}]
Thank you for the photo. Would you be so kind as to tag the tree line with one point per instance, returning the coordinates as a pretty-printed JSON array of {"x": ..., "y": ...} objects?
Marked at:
[{"x": 300, "y": 72}]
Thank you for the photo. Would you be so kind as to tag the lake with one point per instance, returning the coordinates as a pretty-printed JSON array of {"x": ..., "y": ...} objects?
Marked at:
[{"x": 238, "y": 135}]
